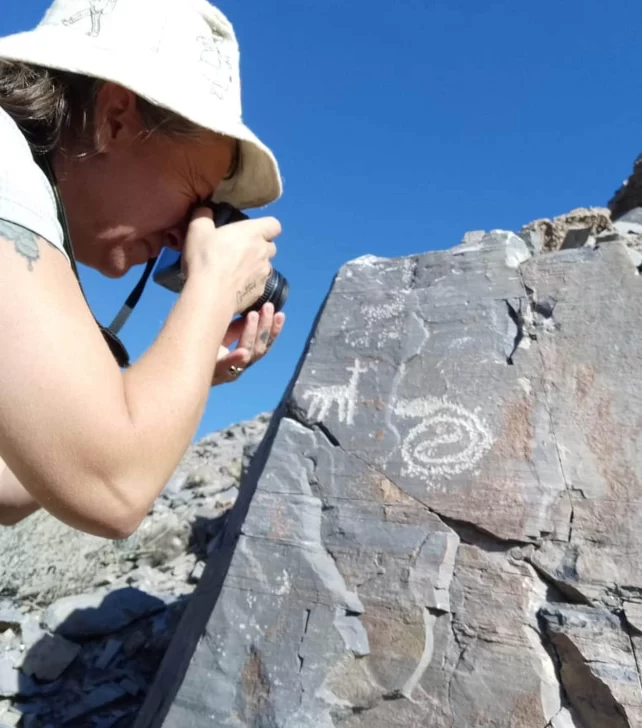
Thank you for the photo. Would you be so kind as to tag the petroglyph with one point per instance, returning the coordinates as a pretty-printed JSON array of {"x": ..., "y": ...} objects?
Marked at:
[
  {"x": 382, "y": 311},
  {"x": 343, "y": 395},
  {"x": 365, "y": 337},
  {"x": 449, "y": 439}
]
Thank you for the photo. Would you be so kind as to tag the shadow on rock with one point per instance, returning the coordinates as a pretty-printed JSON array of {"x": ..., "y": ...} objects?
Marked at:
[
  {"x": 84, "y": 649},
  {"x": 88, "y": 661}
]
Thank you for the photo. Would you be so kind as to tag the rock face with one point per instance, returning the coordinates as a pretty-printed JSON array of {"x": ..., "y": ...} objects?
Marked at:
[{"x": 442, "y": 525}]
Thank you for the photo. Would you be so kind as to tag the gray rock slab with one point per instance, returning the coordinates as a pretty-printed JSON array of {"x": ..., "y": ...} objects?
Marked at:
[
  {"x": 48, "y": 658},
  {"x": 594, "y": 395},
  {"x": 633, "y": 216},
  {"x": 9, "y": 677},
  {"x": 598, "y": 667},
  {"x": 100, "y": 613},
  {"x": 13, "y": 682},
  {"x": 441, "y": 526},
  {"x": 459, "y": 444},
  {"x": 30, "y": 631},
  {"x": 10, "y": 616},
  {"x": 112, "y": 648},
  {"x": 100, "y": 697}
]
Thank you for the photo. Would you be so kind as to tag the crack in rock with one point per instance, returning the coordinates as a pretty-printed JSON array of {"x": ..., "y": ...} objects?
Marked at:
[{"x": 545, "y": 309}]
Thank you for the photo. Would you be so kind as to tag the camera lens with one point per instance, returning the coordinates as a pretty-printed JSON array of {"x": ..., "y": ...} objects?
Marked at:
[{"x": 276, "y": 293}]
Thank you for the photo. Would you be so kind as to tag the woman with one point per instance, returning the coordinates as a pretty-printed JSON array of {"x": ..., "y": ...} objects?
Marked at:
[{"x": 112, "y": 131}]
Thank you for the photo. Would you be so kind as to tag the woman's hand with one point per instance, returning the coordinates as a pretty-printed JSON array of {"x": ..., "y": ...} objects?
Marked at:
[
  {"x": 235, "y": 258},
  {"x": 255, "y": 334}
]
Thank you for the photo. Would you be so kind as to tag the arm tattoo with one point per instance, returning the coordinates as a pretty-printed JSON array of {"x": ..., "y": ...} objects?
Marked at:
[{"x": 25, "y": 241}]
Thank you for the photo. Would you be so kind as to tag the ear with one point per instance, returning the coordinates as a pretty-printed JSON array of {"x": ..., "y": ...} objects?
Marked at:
[{"x": 117, "y": 120}]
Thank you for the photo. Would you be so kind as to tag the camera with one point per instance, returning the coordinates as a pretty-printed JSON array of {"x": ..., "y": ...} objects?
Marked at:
[{"x": 168, "y": 273}]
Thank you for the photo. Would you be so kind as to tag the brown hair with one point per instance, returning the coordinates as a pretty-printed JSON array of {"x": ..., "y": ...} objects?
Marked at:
[{"x": 52, "y": 106}]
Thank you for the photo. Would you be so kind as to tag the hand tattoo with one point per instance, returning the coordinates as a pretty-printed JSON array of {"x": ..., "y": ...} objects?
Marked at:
[
  {"x": 240, "y": 295},
  {"x": 25, "y": 241},
  {"x": 265, "y": 336}
]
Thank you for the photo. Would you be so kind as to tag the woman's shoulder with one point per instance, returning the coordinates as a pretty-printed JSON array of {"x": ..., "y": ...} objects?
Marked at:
[
  {"x": 10, "y": 132},
  {"x": 26, "y": 195}
]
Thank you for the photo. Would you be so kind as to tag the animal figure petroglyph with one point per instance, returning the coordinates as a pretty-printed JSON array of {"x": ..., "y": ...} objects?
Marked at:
[{"x": 343, "y": 395}]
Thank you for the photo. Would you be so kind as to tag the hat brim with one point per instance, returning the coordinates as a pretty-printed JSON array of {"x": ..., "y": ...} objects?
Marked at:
[{"x": 257, "y": 181}]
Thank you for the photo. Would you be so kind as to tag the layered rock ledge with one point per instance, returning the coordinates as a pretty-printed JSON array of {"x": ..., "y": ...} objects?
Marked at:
[{"x": 441, "y": 526}]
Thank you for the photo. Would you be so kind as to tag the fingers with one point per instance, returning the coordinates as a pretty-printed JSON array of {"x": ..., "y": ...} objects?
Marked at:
[
  {"x": 248, "y": 336},
  {"x": 264, "y": 331},
  {"x": 256, "y": 334},
  {"x": 277, "y": 327},
  {"x": 224, "y": 371},
  {"x": 202, "y": 217},
  {"x": 234, "y": 331},
  {"x": 268, "y": 330},
  {"x": 202, "y": 209},
  {"x": 267, "y": 227},
  {"x": 270, "y": 227}
]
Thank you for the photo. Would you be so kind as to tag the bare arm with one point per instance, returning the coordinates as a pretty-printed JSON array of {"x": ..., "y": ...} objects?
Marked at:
[
  {"x": 16, "y": 502},
  {"x": 91, "y": 444}
]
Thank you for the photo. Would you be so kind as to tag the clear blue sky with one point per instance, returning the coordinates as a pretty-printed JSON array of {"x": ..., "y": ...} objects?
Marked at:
[{"x": 401, "y": 125}]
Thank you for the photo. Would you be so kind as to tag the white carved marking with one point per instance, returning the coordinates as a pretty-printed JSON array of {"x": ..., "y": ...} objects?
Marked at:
[
  {"x": 449, "y": 440},
  {"x": 426, "y": 658},
  {"x": 373, "y": 314},
  {"x": 343, "y": 395},
  {"x": 382, "y": 311},
  {"x": 284, "y": 584},
  {"x": 460, "y": 343}
]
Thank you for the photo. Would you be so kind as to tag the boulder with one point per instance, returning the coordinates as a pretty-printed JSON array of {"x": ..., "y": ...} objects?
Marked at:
[{"x": 441, "y": 525}]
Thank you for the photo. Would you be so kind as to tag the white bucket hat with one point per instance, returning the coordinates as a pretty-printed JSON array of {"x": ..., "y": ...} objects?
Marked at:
[{"x": 179, "y": 54}]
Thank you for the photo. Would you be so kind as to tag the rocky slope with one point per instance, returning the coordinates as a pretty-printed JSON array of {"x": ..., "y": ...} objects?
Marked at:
[{"x": 84, "y": 622}]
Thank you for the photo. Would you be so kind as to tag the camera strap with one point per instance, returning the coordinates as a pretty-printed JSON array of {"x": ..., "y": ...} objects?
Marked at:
[{"x": 110, "y": 332}]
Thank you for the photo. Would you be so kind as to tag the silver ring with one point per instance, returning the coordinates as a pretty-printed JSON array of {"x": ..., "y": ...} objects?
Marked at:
[{"x": 235, "y": 371}]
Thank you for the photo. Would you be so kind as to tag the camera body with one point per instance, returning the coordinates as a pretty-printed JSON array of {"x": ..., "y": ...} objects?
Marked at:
[{"x": 168, "y": 272}]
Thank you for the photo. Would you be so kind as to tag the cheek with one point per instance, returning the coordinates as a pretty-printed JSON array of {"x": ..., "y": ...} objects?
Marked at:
[
  {"x": 138, "y": 193},
  {"x": 164, "y": 205},
  {"x": 142, "y": 201},
  {"x": 154, "y": 213}
]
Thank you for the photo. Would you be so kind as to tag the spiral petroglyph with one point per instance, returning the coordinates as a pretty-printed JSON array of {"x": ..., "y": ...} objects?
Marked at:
[{"x": 449, "y": 439}]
